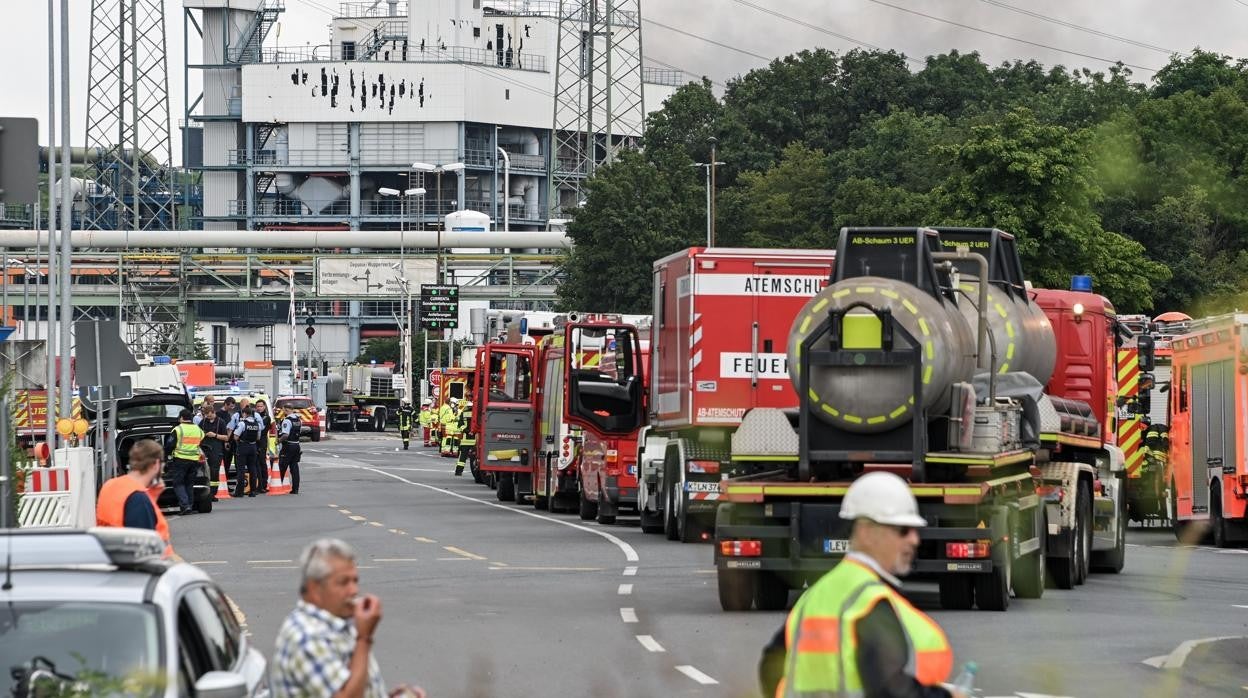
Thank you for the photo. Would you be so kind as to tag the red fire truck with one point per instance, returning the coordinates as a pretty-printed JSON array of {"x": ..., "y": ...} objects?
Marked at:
[
  {"x": 721, "y": 322},
  {"x": 1208, "y": 428}
]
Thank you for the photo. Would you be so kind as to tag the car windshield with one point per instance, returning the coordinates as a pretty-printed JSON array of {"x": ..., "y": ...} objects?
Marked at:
[
  {"x": 135, "y": 413},
  {"x": 295, "y": 403},
  {"x": 113, "y": 648}
]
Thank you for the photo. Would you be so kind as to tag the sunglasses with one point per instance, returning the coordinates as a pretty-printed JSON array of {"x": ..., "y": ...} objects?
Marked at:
[{"x": 903, "y": 531}]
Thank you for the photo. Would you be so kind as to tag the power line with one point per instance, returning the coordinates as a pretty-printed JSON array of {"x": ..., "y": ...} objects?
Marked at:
[
  {"x": 1077, "y": 27},
  {"x": 720, "y": 44},
  {"x": 690, "y": 73},
  {"x": 1037, "y": 44},
  {"x": 824, "y": 30}
]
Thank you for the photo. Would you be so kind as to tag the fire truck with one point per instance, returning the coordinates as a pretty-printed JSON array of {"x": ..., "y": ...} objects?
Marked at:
[
  {"x": 457, "y": 382},
  {"x": 596, "y": 369},
  {"x": 1209, "y": 391},
  {"x": 928, "y": 356},
  {"x": 721, "y": 319}
]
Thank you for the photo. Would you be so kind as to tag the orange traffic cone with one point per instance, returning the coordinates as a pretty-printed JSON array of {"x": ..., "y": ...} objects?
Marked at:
[
  {"x": 277, "y": 485},
  {"x": 223, "y": 485}
]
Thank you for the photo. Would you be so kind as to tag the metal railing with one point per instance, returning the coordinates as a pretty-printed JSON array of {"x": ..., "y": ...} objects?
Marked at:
[
  {"x": 415, "y": 210},
  {"x": 519, "y": 60},
  {"x": 365, "y": 9},
  {"x": 664, "y": 76},
  {"x": 297, "y": 157}
]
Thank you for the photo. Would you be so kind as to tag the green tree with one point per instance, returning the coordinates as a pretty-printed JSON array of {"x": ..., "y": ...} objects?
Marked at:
[
  {"x": 635, "y": 213},
  {"x": 786, "y": 206},
  {"x": 381, "y": 350}
]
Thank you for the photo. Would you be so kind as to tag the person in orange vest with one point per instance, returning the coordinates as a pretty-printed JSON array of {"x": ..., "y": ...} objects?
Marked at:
[
  {"x": 130, "y": 500},
  {"x": 852, "y": 633}
]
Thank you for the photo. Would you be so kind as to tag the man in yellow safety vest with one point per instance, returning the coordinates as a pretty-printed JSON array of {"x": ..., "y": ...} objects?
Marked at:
[
  {"x": 448, "y": 417},
  {"x": 426, "y": 419},
  {"x": 184, "y": 449},
  {"x": 852, "y": 633}
]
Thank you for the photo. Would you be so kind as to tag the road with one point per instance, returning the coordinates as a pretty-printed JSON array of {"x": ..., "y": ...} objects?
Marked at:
[{"x": 482, "y": 598}]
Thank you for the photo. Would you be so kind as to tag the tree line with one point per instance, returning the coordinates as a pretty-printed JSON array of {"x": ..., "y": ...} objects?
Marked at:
[{"x": 1141, "y": 185}]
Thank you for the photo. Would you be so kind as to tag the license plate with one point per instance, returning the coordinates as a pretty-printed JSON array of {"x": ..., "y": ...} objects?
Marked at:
[
  {"x": 835, "y": 545},
  {"x": 632, "y": 470}
]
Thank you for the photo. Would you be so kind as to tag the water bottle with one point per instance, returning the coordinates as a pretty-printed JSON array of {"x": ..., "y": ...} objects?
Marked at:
[{"x": 966, "y": 680}]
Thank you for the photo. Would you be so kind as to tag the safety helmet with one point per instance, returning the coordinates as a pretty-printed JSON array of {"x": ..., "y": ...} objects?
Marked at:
[
  {"x": 454, "y": 401},
  {"x": 883, "y": 498},
  {"x": 427, "y": 401},
  {"x": 404, "y": 403}
]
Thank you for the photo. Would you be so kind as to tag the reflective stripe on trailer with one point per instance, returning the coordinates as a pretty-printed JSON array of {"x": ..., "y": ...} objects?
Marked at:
[{"x": 703, "y": 496}]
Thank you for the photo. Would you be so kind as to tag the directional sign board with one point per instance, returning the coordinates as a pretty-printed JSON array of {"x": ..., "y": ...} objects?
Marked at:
[
  {"x": 347, "y": 277},
  {"x": 439, "y": 306}
]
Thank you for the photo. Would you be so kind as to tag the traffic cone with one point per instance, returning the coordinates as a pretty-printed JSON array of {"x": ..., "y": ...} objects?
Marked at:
[
  {"x": 223, "y": 485},
  {"x": 277, "y": 485}
]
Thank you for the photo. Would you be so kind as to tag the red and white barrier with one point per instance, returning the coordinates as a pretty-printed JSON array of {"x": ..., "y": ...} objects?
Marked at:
[{"x": 41, "y": 479}]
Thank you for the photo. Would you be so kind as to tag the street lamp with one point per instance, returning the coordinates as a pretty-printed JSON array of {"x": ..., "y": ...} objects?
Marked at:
[
  {"x": 438, "y": 170},
  {"x": 405, "y": 300},
  {"x": 710, "y": 192}
]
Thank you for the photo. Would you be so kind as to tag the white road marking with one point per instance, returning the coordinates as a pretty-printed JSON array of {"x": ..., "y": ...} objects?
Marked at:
[
  {"x": 335, "y": 455},
  {"x": 344, "y": 511},
  {"x": 696, "y": 675},
  {"x": 267, "y": 562},
  {"x": 630, "y": 554},
  {"x": 1179, "y": 655},
  {"x": 334, "y": 506},
  {"x": 211, "y": 562},
  {"x": 650, "y": 643},
  {"x": 454, "y": 559},
  {"x": 394, "y": 559},
  {"x": 378, "y": 524},
  {"x": 630, "y": 571},
  {"x": 505, "y": 567},
  {"x": 463, "y": 553},
  {"x": 356, "y": 517},
  {"x": 628, "y": 615},
  {"x": 1234, "y": 605},
  {"x": 625, "y": 589},
  {"x": 422, "y": 539},
  {"x": 276, "y": 567}
]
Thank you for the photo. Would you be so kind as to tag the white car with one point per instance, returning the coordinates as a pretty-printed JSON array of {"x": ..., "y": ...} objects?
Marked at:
[{"x": 99, "y": 613}]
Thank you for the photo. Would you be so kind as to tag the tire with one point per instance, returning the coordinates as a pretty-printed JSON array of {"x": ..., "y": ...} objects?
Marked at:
[
  {"x": 1217, "y": 524},
  {"x": 771, "y": 592},
  {"x": 1112, "y": 561},
  {"x": 651, "y": 522},
  {"x": 506, "y": 488},
  {"x": 588, "y": 510},
  {"x": 736, "y": 589},
  {"x": 992, "y": 590},
  {"x": 669, "y": 511},
  {"x": 476, "y": 473},
  {"x": 687, "y": 530},
  {"x": 516, "y": 495},
  {"x": 1083, "y": 539},
  {"x": 379, "y": 419},
  {"x": 1064, "y": 570},
  {"x": 1029, "y": 571},
  {"x": 957, "y": 593},
  {"x": 203, "y": 505},
  {"x": 316, "y": 434},
  {"x": 604, "y": 519}
]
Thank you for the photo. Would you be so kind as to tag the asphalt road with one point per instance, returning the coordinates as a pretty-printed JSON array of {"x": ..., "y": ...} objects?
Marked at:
[{"x": 484, "y": 599}]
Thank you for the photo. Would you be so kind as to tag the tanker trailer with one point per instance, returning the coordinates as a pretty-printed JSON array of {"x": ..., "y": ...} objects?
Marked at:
[{"x": 909, "y": 361}]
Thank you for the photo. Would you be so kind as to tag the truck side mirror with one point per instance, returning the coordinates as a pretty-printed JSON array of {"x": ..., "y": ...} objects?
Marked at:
[{"x": 1146, "y": 345}]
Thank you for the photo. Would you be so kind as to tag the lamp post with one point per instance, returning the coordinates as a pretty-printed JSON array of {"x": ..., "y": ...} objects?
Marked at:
[
  {"x": 405, "y": 300},
  {"x": 438, "y": 170},
  {"x": 710, "y": 192}
]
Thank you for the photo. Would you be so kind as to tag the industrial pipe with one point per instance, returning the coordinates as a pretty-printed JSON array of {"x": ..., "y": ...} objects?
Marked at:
[
  {"x": 983, "y": 360},
  {"x": 294, "y": 239}
]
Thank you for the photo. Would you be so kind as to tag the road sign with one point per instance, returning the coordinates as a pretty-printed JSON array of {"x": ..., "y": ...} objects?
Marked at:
[
  {"x": 346, "y": 277},
  {"x": 439, "y": 306},
  {"x": 19, "y": 160},
  {"x": 435, "y": 378}
]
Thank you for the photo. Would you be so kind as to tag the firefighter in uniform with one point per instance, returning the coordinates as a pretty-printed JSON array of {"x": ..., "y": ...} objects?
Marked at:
[
  {"x": 467, "y": 439},
  {"x": 184, "y": 447},
  {"x": 405, "y": 422},
  {"x": 852, "y": 633},
  {"x": 448, "y": 417},
  {"x": 426, "y": 419},
  {"x": 247, "y": 455},
  {"x": 289, "y": 449}
]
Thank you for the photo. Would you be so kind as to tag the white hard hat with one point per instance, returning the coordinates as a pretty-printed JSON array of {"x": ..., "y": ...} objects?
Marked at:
[
  {"x": 883, "y": 498},
  {"x": 454, "y": 401},
  {"x": 427, "y": 401}
]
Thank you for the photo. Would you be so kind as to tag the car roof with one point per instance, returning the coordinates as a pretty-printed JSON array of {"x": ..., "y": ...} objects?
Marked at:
[{"x": 87, "y": 584}]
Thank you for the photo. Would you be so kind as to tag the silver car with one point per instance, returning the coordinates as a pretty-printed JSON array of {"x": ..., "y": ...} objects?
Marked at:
[{"x": 99, "y": 613}]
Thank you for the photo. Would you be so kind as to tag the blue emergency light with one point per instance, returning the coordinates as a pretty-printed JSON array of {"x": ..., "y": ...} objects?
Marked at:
[
  {"x": 161, "y": 360},
  {"x": 1081, "y": 282},
  {"x": 524, "y": 326}
]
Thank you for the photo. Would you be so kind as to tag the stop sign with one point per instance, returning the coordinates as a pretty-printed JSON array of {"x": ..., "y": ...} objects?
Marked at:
[{"x": 435, "y": 378}]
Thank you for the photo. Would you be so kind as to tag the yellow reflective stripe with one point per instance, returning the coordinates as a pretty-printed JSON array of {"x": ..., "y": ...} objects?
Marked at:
[
  {"x": 820, "y": 305},
  {"x": 830, "y": 410},
  {"x": 923, "y": 327},
  {"x": 876, "y": 420},
  {"x": 814, "y": 397},
  {"x": 864, "y": 289},
  {"x": 890, "y": 294},
  {"x": 852, "y": 419},
  {"x": 898, "y": 412},
  {"x": 772, "y": 458},
  {"x": 805, "y": 324},
  {"x": 914, "y": 310},
  {"x": 927, "y": 374},
  {"x": 930, "y": 348},
  {"x": 841, "y": 293}
]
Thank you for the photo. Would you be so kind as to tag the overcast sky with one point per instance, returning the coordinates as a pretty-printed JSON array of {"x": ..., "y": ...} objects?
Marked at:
[{"x": 1168, "y": 25}]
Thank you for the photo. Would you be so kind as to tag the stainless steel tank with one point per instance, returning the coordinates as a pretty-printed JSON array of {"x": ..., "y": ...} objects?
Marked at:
[
  {"x": 333, "y": 388},
  {"x": 1020, "y": 331},
  {"x": 868, "y": 399}
]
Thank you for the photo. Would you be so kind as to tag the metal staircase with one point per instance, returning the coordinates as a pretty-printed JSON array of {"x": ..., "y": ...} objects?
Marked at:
[
  {"x": 251, "y": 41},
  {"x": 385, "y": 34}
]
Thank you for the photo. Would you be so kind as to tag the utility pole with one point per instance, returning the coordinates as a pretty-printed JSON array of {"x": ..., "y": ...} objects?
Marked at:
[
  {"x": 710, "y": 192},
  {"x": 67, "y": 225}
]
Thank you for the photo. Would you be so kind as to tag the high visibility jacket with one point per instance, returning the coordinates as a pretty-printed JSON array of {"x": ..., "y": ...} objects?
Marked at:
[
  {"x": 465, "y": 424},
  {"x": 405, "y": 419},
  {"x": 187, "y": 438},
  {"x": 446, "y": 414},
  {"x": 110, "y": 508},
  {"x": 822, "y": 642},
  {"x": 426, "y": 417}
]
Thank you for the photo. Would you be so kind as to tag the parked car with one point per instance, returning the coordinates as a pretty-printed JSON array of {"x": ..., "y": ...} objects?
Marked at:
[
  {"x": 308, "y": 414},
  {"x": 152, "y": 415},
  {"x": 99, "y": 612}
]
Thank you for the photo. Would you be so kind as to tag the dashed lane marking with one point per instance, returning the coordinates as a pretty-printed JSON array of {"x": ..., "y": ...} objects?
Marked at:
[
  {"x": 504, "y": 567},
  {"x": 378, "y": 524},
  {"x": 356, "y": 517},
  {"x": 422, "y": 539},
  {"x": 335, "y": 506},
  {"x": 275, "y": 567},
  {"x": 394, "y": 559},
  {"x": 696, "y": 675},
  {"x": 463, "y": 553},
  {"x": 625, "y": 589},
  {"x": 630, "y": 571},
  {"x": 346, "y": 512},
  {"x": 628, "y": 615},
  {"x": 650, "y": 643},
  {"x": 267, "y": 562},
  {"x": 211, "y": 562}
]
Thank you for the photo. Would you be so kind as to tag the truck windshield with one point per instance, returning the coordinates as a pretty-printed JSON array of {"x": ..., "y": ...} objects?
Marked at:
[
  {"x": 511, "y": 377},
  {"x": 98, "y": 644},
  {"x": 604, "y": 383}
]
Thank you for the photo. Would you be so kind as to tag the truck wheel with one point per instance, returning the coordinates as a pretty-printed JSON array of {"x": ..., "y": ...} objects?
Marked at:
[
  {"x": 1029, "y": 570},
  {"x": 956, "y": 593},
  {"x": 1065, "y": 569},
  {"x": 1217, "y": 524},
  {"x": 736, "y": 589},
  {"x": 316, "y": 434},
  {"x": 669, "y": 512},
  {"x": 771, "y": 592},
  {"x": 588, "y": 509},
  {"x": 506, "y": 488},
  {"x": 1112, "y": 561},
  {"x": 203, "y": 505},
  {"x": 379, "y": 419},
  {"x": 1083, "y": 532},
  {"x": 604, "y": 518},
  {"x": 687, "y": 527},
  {"x": 992, "y": 590},
  {"x": 651, "y": 522}
]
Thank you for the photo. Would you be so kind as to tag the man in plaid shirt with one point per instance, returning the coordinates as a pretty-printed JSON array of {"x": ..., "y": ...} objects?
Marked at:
[{"x": 324, "y": 648}]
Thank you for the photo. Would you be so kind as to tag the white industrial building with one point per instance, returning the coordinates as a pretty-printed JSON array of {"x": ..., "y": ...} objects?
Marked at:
[{"x": 330, "y": 137}]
